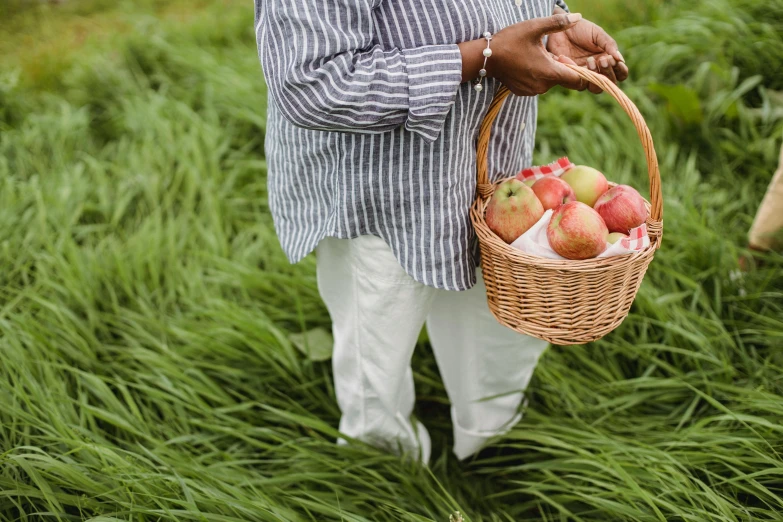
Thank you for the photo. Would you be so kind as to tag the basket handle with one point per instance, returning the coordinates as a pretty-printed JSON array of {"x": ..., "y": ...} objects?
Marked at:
[{"x": 653, "y": 173}]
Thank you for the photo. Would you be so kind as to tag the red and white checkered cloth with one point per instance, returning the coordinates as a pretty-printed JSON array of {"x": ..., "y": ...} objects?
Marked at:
[
  {"x": 556, "y": 168},
  {"x": 637, "y": 239}
]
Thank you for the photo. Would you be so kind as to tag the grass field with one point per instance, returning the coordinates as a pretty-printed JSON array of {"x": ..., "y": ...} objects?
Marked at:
[{"x": 146, "y": 310}]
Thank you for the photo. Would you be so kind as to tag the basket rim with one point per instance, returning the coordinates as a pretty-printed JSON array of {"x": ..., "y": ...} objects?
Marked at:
[
  {"x": 478, "y": 217},
  {"x": 500, "y": 247}
]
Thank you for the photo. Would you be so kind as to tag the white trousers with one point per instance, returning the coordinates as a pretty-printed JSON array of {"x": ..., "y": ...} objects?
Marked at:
[{"x": 377, "y": 312}]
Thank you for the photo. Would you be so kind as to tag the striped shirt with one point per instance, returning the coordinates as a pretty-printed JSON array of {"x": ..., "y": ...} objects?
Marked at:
[{"x": 370, "y": 130}]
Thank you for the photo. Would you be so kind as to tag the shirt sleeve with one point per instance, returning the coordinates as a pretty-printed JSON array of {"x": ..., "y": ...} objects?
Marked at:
[
  {"x": 561, "y": 4},
  {"x": 324, "y": 72}
]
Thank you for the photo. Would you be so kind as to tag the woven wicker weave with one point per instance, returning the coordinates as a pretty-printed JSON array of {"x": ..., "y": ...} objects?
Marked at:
[{"x": 563, "y": 302}]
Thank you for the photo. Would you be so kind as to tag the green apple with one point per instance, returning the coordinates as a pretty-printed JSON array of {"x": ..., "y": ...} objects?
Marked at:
[
  {"x": 614, "y": 237},
  {"x": 588, "y": 183}
]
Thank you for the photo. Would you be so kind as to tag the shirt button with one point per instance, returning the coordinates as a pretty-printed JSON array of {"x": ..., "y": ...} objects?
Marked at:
[{"x": 522, "y": 127}]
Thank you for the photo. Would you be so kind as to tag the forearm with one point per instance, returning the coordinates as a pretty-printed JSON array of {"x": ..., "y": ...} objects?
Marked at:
[
  {"x": 369, "y": 91},
  {"x": 325, "y": 70}
]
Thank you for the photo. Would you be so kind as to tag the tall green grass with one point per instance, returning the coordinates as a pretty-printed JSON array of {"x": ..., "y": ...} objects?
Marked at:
[{"x": 146, "y": 366}]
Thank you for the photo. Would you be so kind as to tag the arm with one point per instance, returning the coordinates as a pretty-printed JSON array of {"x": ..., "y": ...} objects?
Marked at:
[{"x": 324, "y": 72}]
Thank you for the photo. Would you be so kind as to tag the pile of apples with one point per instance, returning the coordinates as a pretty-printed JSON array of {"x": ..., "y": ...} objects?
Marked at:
[{"x": 587, "y": 216}]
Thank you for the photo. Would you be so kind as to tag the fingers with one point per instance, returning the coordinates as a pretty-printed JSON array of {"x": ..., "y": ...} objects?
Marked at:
[
  {"x": 606, "y": 67},
  {"x": 621, "y": 71},
  {"x": 593, "y": 66},
  {"x": 607, "y": 43},
  {"x": 609, "y": 67},
  {"x": 602, "y": 64},
  {"x": 552, "y": 24}
]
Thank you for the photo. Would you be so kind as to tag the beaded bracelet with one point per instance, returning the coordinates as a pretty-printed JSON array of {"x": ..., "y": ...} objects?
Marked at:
[{"x": 483, "y": 72}]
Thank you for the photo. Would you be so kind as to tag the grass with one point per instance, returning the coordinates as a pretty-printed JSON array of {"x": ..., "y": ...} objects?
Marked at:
[{"x": 146, "y": 366}]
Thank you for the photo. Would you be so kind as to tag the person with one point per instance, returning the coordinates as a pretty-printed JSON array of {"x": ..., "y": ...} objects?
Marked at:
[
  {"x": 766, "y": 233},
  {"x": 374, "y": 109}
]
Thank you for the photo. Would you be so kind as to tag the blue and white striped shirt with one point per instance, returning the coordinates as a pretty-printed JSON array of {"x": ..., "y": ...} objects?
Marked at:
[{"x": 370, "y": 130}]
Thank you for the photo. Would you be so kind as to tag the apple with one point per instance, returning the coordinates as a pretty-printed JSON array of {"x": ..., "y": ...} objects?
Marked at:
[
  {"x": 588, "y": 183},
  {"x": 553, "y": 192},
  {"x": 622, "y": 208},
  {"x": 614, "y": 237},
  {"x": 513, "y": 209},
  {"x": 576, "y": 231},
  {"x": 530, "y": 182}
]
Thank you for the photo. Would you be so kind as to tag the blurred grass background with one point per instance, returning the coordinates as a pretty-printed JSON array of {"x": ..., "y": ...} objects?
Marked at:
[{"x": 147, "y": 370}]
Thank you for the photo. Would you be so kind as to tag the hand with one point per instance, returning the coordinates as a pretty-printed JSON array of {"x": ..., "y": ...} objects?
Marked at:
[
  {"x": 522, "y": 63},
  {"x": 587, "y": 45}
]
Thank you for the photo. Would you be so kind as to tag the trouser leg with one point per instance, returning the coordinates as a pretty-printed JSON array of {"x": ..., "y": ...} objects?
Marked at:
[
  {"x": 377, "y": 313},
  {"x": 485, "y": 366}
]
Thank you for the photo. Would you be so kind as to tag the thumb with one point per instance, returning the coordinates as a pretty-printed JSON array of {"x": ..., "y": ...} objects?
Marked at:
[
  {"x": 565, "y": 59},
  {"x": 553, "y": 24},
  {"x": 607, "y": 43}
]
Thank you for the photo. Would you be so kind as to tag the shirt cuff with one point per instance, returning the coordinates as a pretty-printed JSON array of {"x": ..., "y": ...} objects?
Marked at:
[
  {"x": 562, "y": 5},
  {"x": 434, "y": 77}
]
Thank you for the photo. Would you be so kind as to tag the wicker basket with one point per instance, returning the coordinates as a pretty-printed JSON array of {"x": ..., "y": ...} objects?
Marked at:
[{"x": 563, "y": 302}]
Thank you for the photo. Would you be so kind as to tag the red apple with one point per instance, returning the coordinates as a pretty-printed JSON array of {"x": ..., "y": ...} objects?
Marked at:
[
  {"x": 513, "y": 209},
  {"x": 622, "y": 208},
  {"x": 553, "y": 192},
  {"x": 588, "y": 183},
  {"x": 614, "y": 237},
  {"x": 576, "y": 231}
]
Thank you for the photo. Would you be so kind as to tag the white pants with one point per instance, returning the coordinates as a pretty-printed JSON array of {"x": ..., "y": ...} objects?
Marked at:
[{"x": 377, "y": 312}]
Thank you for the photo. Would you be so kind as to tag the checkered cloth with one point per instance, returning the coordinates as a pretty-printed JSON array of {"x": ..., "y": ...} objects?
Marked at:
[
  {"x": 555, "y": 168},
  {"x": 637, "y": 239}
]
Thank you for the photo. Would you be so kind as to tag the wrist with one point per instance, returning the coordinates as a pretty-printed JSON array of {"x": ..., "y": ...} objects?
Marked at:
[
  {"x": 495, "y": 62},
  {"x": 478, "y": 56},
  {"x": 472, "y": 58}
]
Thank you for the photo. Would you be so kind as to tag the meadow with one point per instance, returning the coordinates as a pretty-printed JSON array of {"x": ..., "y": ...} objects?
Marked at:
[{"x": 158, "y": 359}]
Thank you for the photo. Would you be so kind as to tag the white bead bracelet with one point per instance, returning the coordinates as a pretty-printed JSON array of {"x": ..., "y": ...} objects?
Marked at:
[{"x": 483, "y": 72}]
